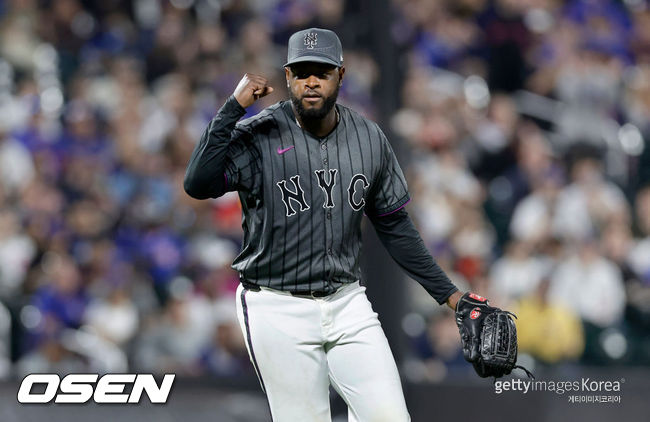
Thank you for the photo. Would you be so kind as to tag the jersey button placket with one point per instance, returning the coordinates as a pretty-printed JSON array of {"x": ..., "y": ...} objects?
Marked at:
[{"x": 329, "y": 235}]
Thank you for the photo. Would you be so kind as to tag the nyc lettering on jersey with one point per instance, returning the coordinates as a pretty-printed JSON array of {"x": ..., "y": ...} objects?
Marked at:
[
  {"x": 80, "y": 388},
  {"x": 297, "y": 194}
]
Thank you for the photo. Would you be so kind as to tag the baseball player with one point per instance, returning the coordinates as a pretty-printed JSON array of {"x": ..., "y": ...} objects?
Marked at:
[{"x": 306, "y": 171}]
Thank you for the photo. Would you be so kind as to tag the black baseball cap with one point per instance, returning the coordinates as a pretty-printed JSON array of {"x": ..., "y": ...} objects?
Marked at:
[{"x": 315, "y": 45}]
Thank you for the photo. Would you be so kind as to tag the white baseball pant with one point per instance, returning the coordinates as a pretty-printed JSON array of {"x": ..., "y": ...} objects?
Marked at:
[{"x": 299, "y": 345}]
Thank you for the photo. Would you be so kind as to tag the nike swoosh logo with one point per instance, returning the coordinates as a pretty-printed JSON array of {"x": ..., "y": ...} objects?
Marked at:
[{"x": 282, "y": 151}]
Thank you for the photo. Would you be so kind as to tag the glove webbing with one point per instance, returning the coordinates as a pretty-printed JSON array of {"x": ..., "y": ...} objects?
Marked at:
[{"x": 503, "y": 344}]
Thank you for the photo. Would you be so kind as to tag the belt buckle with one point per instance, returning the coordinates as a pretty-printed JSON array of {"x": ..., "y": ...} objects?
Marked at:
[{"x": 314, "y": 294}]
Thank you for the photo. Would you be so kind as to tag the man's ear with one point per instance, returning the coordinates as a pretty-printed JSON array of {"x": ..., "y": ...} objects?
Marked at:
[
  {"x": 341, "y": 73},
  {"x": 287, "y": 74}
]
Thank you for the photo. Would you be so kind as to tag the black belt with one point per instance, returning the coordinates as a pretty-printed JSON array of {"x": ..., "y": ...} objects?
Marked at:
[{"x": 311, "y": 293}]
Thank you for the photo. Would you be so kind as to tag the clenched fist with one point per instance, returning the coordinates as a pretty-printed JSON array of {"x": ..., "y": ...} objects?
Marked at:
[{"x": 251, "y": 88}]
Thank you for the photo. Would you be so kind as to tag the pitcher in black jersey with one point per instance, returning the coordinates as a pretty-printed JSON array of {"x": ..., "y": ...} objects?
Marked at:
[{"x": 307, "y": 170}]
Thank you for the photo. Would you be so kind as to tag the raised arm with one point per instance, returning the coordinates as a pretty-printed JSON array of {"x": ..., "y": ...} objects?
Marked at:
[{"x": 205, "y": 176}]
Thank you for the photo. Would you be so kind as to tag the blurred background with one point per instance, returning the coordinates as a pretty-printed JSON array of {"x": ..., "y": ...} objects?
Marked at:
[{"x": 522, "y": 126}]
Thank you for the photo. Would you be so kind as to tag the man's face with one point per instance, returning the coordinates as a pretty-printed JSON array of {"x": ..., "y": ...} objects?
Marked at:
[{"x": 313, "y": 88}]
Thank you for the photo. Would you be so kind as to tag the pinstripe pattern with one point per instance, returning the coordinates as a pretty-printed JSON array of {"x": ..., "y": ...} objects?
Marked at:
[{"x": 302, "y": 245}]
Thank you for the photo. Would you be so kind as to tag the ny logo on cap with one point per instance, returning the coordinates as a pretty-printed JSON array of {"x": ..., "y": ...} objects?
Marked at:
[{"x": 310, "y": 40}]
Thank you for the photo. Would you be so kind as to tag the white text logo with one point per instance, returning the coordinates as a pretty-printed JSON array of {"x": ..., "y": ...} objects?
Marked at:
[{"x": 79, "y": 388}]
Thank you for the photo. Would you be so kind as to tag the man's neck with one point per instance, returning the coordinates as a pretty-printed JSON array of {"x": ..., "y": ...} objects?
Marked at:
[{"x": 318, "y": 127}]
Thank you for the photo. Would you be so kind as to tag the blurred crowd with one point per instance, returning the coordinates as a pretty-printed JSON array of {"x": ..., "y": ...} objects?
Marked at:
[
  {"x": 524, "y": 123},
  {"x": 105, "y": 263},
  {"x": 527, "y": 121}
]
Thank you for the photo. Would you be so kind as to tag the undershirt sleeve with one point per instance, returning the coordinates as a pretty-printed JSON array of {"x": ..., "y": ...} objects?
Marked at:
[
  {"x": 404, "y": 244},
  {"x": 221, "y": 160}
]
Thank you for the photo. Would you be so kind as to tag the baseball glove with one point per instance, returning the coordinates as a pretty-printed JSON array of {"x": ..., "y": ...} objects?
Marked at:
[{"x": 488, "y": 336}]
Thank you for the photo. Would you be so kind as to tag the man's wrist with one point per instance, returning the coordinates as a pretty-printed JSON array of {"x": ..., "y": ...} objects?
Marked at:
[
  {"x": 239, "y": 101},
  {"x": 233, "y": 104},
  {"x": 453, "y": 299}
]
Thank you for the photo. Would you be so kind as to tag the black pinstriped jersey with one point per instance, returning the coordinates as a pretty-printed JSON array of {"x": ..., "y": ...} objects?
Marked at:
[{"x": 303, "y": 197}]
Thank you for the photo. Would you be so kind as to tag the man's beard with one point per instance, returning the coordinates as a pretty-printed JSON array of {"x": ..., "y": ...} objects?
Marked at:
[{"x": 312, "y": 114}]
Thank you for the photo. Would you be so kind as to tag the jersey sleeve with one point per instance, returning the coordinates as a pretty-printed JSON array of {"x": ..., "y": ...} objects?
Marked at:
[
  {"x": 390, "y": 191},
  {"x": 243, "y": 163}
]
